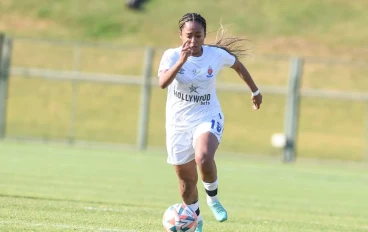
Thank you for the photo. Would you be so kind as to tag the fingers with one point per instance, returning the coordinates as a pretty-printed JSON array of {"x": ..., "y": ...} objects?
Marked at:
[
  {"x": 257, "y": 101},
  {"x": 186, "y": 49},
  {"x": 186, "y": 44}
]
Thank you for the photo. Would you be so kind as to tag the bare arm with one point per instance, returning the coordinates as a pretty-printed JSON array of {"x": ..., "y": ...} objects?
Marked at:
[
  {"x": 167, "y": 76},
  {"x": 244, "y": 74},
  {"x": 246, "y": 77}
]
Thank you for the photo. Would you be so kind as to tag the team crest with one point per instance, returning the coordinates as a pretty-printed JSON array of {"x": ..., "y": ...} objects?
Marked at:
[{"x": 210, "y": 72}]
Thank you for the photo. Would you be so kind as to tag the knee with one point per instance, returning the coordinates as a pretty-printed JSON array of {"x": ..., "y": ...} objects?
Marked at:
[{"x": 203, "y": 159}]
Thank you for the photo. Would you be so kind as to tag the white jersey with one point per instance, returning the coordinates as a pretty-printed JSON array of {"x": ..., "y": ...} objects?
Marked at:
[{"x": 191, "y": 97}]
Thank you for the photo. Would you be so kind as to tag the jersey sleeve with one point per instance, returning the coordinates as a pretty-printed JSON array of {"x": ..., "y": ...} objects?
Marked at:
[
  {"x": 167, "y": 61},
  {"x": 228, "y": 60}
]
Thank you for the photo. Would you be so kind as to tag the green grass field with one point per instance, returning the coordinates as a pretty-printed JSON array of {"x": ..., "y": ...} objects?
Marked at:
[{"x": 56, "y": 188}]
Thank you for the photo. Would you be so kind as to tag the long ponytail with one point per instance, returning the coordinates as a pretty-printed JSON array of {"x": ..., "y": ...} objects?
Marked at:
[{"x": 231, "y": 44}]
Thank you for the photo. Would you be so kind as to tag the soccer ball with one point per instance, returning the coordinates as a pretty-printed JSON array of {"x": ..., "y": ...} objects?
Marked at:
[{"x": 179, "y": 218}]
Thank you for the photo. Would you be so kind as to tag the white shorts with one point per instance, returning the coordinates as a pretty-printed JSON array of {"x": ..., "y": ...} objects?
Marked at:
[{"x": 180, "y": 144}]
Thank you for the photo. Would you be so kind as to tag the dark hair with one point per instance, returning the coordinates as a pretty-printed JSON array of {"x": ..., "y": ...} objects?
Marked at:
[{"x": 229, "y": 44}]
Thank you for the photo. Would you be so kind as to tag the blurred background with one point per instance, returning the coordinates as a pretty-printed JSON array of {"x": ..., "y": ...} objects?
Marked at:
[
  {"x": 77, "y": 72},
  {"x": 82, "y": 119}
]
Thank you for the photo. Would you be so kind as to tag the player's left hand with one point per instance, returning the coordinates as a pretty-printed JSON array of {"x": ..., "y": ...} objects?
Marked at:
[{"x": 257, "y": 101}]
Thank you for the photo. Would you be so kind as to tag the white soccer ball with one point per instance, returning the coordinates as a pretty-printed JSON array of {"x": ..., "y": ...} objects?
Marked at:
[{"x": 179, "y": 218}]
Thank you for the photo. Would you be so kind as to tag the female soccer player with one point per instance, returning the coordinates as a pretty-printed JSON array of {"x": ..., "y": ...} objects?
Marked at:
[{"x": 194, "y": 119}]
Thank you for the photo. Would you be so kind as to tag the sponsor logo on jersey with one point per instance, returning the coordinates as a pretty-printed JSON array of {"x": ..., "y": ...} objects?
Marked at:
[
  {"x": 193, "y": 88},
  {"x": 210, "y": 72},
  {"x": 204, "y": 99},
  {"x": 181, "y": 71}
]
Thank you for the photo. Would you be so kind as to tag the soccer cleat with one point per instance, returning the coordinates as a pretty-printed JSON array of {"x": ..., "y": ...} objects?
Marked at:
[
  {"x": 218, "y": 210},
  {"x": 199, "y": 226}
]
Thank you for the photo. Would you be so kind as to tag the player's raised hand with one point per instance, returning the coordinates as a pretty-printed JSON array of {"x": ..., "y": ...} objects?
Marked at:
[{"x": 186, "y": 51}]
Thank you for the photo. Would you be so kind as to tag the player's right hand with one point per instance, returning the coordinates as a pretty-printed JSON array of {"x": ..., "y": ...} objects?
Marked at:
[{"x": 186, "y": 51}]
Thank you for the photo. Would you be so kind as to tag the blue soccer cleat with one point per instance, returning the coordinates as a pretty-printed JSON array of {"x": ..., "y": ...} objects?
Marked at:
[
  {"x": 218, "y": 210},
  {"x": 199, "y": 226}
]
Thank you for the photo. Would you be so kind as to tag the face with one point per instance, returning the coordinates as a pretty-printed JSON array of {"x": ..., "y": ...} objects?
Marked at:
[{"x": 195, "y": 32}]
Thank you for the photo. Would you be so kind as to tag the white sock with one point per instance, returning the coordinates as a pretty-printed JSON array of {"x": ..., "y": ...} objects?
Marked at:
[
  {"x": 195, "y": 208},
  {"x": 211, "y": 187}
]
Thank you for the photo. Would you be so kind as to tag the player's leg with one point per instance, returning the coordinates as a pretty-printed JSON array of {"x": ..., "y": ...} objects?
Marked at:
[
  {"x": 206, "y": 145},
  {"x": 188, "y": 178},
  {"x": 206, "y": 142},
  {"x": 205, "y": 149},
  {"x": 181, "y": 155}
]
